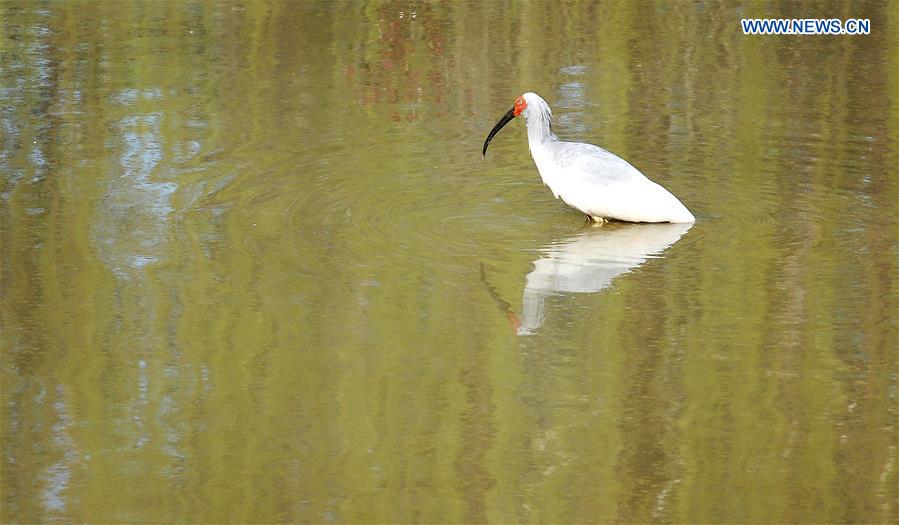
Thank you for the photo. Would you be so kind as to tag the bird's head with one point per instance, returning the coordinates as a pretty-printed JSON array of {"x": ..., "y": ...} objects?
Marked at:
[
  {"x": 524, "y": 105},
  {"x": 520, "y": 105}
]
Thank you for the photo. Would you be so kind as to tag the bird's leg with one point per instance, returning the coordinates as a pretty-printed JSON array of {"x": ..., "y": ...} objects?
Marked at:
[{"x": 598, "y": 221}]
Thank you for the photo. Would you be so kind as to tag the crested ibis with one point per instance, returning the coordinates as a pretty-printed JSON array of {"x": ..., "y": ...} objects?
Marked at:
[{"x": 597, "y": 182}]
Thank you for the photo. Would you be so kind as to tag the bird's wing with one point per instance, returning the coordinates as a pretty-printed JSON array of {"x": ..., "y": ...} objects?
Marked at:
[
  {"x": 595, "y": 165},
  {"x": 602, "y": 184}
]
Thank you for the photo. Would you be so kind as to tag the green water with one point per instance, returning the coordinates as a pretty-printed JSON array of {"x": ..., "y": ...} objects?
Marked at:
[{"x": 254, "y": 268}]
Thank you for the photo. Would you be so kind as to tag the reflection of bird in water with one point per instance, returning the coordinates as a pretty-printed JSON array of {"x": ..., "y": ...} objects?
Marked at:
[{"x": 586, "y": 262}]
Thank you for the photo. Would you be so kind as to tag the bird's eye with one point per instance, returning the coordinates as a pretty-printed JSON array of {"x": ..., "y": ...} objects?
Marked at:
[{"x": 518, "y": 102}]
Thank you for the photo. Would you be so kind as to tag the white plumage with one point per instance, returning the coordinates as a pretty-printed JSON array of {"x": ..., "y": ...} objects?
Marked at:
[{"x": 586, "y": 177}]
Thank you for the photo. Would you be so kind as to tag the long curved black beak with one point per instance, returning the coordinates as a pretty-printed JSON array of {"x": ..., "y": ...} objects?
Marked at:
[{"x": 499, "y": 125}]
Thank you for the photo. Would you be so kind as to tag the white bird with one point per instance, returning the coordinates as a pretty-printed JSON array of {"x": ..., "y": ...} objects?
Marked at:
[{"x": 586, "y": 177}]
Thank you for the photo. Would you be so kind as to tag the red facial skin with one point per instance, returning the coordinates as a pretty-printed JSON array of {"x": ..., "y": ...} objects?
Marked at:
[{"x": 520, "y": 105}]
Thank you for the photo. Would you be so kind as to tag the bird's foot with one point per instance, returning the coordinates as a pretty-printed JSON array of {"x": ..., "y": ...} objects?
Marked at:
[{"x": 597, "y": 221}]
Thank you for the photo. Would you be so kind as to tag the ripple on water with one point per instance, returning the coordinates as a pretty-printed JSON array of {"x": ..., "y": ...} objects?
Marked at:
[{"x": 425, "y": 214}]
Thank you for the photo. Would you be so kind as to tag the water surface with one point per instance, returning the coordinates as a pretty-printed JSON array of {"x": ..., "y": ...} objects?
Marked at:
[{"x": 254, "y": 268}]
